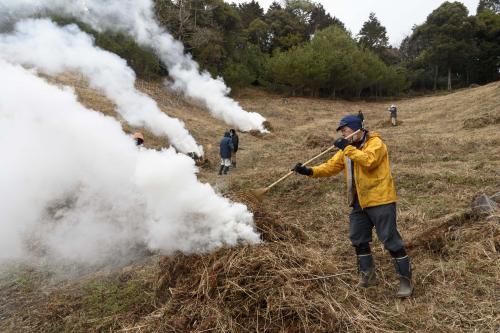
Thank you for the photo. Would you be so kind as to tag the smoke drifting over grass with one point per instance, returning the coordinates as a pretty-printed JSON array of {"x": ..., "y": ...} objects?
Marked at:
[
  {"x": 76, "y": 189},
  {"x": 55, "y": 50},
  {"x": 136, "y": 19}
]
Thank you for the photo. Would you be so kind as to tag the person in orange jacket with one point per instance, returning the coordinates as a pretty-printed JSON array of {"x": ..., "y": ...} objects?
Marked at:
[{"x": 372, "y": 196}]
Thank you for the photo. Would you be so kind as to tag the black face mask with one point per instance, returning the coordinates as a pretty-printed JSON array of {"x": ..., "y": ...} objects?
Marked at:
[{"x": 139, "y": 141}]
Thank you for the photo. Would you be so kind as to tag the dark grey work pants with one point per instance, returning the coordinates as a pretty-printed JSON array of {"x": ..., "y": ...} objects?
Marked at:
[{"x": 383, "y": 218}]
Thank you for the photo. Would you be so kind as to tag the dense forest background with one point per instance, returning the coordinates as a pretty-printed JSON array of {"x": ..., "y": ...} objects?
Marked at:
[{"x": 296, "y": 48}]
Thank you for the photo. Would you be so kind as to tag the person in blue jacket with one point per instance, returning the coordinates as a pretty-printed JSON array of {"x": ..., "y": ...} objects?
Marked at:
[{"x": 226, "y": 148}]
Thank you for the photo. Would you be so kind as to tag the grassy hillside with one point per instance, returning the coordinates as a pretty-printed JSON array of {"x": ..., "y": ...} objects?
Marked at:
[{"x": 445, "y": 152}]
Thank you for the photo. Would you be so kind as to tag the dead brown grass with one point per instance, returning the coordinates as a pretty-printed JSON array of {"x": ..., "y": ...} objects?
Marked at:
[{"x": 300, "y": 279}]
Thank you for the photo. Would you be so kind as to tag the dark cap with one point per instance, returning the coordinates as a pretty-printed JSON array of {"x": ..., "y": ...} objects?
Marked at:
[{"x": 354, "y": 122}]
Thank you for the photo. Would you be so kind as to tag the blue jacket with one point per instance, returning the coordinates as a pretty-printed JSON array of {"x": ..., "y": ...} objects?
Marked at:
[{"x": 226, "y": 146}]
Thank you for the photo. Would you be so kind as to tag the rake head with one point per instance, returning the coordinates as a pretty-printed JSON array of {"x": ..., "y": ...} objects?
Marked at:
[{"x": 259, "y": 193}]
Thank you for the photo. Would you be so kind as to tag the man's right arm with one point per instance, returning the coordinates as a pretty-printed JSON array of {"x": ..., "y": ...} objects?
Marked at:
[{"x": 331, "y": 167}]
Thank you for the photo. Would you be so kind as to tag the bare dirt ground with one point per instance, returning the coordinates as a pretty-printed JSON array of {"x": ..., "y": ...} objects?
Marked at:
[{"x": 444, "y": 153}]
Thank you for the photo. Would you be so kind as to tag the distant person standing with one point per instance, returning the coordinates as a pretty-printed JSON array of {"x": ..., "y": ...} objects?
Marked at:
[
  {"x": 226, "y": 148},
  {"x": 394, "y": 112},
  {"x": 235, "y": 140}
]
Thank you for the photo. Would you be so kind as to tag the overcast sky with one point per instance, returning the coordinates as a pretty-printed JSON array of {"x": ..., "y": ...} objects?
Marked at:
[{"x": 398, "y": 16}]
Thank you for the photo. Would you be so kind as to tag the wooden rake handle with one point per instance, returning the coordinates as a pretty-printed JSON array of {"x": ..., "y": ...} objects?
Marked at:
[{"x": 309, "y": 161}]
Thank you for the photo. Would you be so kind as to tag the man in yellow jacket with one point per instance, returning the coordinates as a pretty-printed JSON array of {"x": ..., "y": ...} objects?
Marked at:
[{"x": 372, "y": 196}]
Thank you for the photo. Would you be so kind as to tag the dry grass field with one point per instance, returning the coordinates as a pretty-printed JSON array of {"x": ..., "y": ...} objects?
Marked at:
[{"x": 444, "y": 153}]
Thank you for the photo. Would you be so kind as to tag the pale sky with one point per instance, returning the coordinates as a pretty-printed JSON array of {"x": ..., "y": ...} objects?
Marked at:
[{"x": 397, "y": 16}]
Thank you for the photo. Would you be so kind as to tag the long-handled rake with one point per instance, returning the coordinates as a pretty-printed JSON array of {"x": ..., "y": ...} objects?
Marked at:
[{"x": 260, "y": 192}]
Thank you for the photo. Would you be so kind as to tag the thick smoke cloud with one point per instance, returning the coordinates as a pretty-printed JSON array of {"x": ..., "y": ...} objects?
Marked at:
[
  {"x": 55, "y": 50},
  {"x": 76, "y": 189},
  {"x": 136, "y": 18}
]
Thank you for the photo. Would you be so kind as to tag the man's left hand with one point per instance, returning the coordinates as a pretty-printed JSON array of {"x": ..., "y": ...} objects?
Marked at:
[{"x": 341, "y": 143}]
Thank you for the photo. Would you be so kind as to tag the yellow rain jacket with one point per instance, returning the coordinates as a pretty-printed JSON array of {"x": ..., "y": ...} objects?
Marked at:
[{"x": 372, "y": 173}]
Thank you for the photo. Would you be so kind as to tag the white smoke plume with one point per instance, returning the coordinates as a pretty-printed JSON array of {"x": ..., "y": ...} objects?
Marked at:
[
  {"x": 74, "y": 187},
  {"x": 55, "y": 50},
  {"x": 136, "y": 18}
]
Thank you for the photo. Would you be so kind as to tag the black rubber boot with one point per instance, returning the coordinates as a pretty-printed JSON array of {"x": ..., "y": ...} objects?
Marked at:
[
  {"x": 226, "y": 169},
  {"x": 220, "y": 170},
  {"x": 367, "y": 270},
  {"x": 403, "y": 270}
]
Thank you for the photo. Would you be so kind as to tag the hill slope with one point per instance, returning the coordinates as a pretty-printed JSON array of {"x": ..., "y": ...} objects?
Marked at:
[{"x": 300, "y": 279}]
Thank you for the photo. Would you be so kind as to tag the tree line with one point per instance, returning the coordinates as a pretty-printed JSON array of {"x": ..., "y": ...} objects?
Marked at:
[{"x": 297, "y": 48}]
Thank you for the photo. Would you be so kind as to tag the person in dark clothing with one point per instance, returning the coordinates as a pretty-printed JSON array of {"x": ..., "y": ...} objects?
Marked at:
[
  {"x": 372, "y": 196},
  {"x": 236, "y": 140},
  {"x": 226, "y": 148}
]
